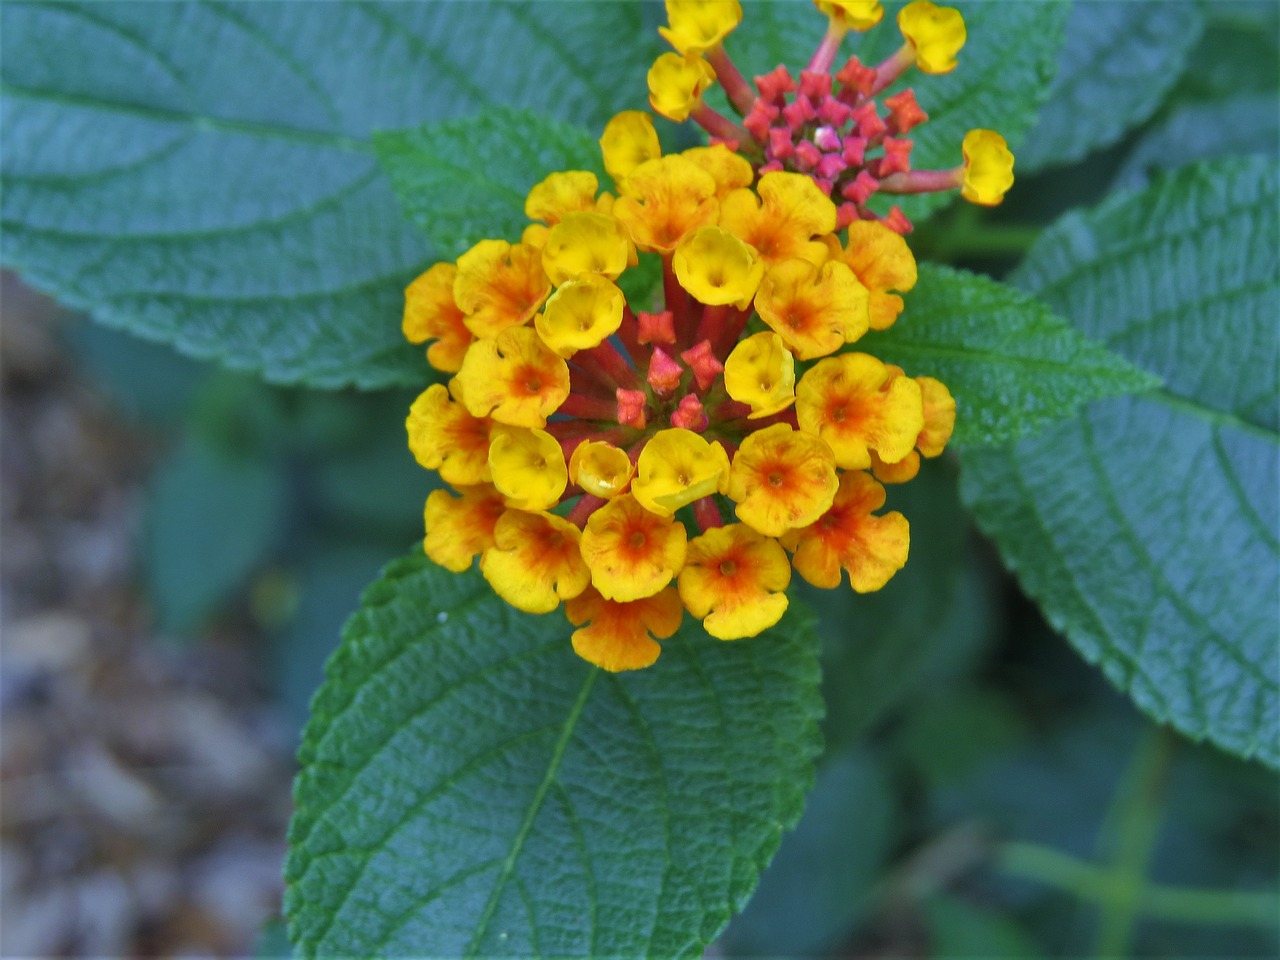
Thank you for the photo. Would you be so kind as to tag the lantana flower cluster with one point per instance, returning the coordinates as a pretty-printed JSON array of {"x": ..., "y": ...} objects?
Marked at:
[
  {"x": 829, "y": 125},
  {"x": 683, "y": 452}
]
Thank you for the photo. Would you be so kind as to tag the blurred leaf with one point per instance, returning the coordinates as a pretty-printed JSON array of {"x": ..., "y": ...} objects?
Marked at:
[
  {"x": 958, "y": 928},
  {"x": 1238, "y": 54},
  {"x": 815, "y": 890},
  {"x": 200, "y": 174},
  {"x": 1146, "y": 527},
  {"x": 1204, "y": 131},
  {"x": 949, "y": 735},
  {"x": 273, "y": 941},
  {"x": 211, "y": 519},
  {"x": 1120, "y": 59},
  {"x": 465, "y": 180},
  {"x": 469, "y": 785},
  {"x": 1003, "y": 77},
  {"x": 1011, "y": 362}
]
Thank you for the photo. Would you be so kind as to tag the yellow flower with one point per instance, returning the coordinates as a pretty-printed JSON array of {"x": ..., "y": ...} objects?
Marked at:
[
  {"x": 988, "y": 167},
  {"x": 782, "y": 221},
  {"x": 939, "y": 421},
  {"x": 580, "y": 314},
  {"x": 430, "y": 313},
  {"x": 667, "y": 198},
  {"x": 761, "y": 373},
  {"x": 499, "y": 285},
  {"x": 587, "y": 242},
  {"x": 782, "y": 478},
  {"x": 882, "y": 261},
  {"x": 852, "y": 14},
  {"x": 460, "y": 528},
  {"x": 444, "y": 436},
  {"x": 857, "y": 404},
  {"x": 515, "y": 379},
  {"x": 735, "y": 580},
  {"x": 816, "y": 311},
  {"x": 628, "y": 141},
  {"x": 631, "y": 552},
  {"x": 697, "y": 26},
  {"x": 535, "y": 562},
  {"x": 573, "y": 191},
  {"x": 620, "y": 636},
  {"x": 718, "y": 268},
  {"x": 935, "y": 34},
  {"x": 600, "y": 468},
  {"x": 677, "y": 467},
  {"x": 676, "y": 85},
  {"x": 528, "y": 467},
  {"x": 730, "y": 171},
  {"x": 848, "y": 536}
]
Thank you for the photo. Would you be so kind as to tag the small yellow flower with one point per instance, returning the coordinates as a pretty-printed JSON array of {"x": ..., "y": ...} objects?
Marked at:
[
  {"x": 988, "y": 167},
  {"x": 697, "y": 26},
  {"x": 815, "y": 311},
  {"x": 587, "y": 242},
  {"x": 872, "y": 549},
  {"x": 935, "y": 34},
  {"x": 460, "y": 528},
  {"x": 499, "y": 286},
  {"x": 628, "y": 141},
  {"x": 667, "y": 199},
  {"x": 761, "y": 373},
  {"x": 782, "y": 478},
  {"x": 535, "y": 562},
  {"x": 677, "y": 467},
  {"x": 528, "y": 467},
  {"x": 857, "y": 404},
  {"x": 939, "y": 421},
  {"x": 444, "y": 436},
  {"x": 600, "y": 468},
  {"x": 430, "y": 313},
  {"x": 573, "y": 191},
  {"x": 620, "y": 636},
  {"x": 515, "y": 379},
  {"x": 580, "y": 314},
  {"x": 882, "y": 261},
  {"x": 730, "y": 171},
  {"x": 782, "y": 221},
  {"x": 852, "y": 14},
  {"x": 631, "y": 552},
  {"x": 718, "y": 268},
  {"x": 735, "y": 580},
  {"x": 676, "y": 85}
]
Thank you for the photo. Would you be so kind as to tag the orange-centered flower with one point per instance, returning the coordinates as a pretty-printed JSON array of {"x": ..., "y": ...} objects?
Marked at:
[{"x": 599, "y": 447}]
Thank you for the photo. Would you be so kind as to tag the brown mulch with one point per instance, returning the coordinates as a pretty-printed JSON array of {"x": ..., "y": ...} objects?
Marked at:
[{"x": 144, "y": 787}]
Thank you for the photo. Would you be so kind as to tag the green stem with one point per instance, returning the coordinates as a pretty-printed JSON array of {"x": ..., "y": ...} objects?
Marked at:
[{"x": 1093, "y": 884}]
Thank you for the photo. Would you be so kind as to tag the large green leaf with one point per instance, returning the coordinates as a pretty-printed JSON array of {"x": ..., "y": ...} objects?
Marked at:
[
  {"x": 1146, "y": 527},
  {"x": 470, "y": 787},
  {"x": 1120, "y": 59},
  {"x": 1010, "y": 361},
  {"x": 201, "y": 174},
  {"x": 465, "y": 180},
  {"x": 1003, "y": 77}
]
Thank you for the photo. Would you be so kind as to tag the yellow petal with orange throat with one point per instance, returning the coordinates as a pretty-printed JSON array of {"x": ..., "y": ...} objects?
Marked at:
[
  {"x": 460, "y": 528},
  {"x": 815, "y": 310},
  {"x": 858, "y": 404},
  {"x": 430, "y": 313},
  {"x": 783, "y": 220},
  {"x": 444, "y": 436},
  {"x": 528, "y": 467},
  {"x": 667, "y": 199},
  {"x": 620, "y": 636},
  {"x": 569, "y": 191},
  {"x": 535, "y": 561},
  {"x": 632, "y": 553},
  {"x": 515, "y": 379},
  {"x": 882, "y": 261},
  {"x": 499, "y": 286},
  {"x": 735, "y": 581},
  {"x": 782, "y": 478}
]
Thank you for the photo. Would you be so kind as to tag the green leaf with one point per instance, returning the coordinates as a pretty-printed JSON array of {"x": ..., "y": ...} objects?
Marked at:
[
  {"x": 211, "y": 519},
  {"x": 1119, "y": 61},
  {"x": 469, "y": 786},
  {"x": 201, "y": 174},
  {"x": 465, "y": 180},
  {"x": 1011, "y": 362},
  {"x": 1003, "y": 77},
  {"x": 1146, "y": 527}
]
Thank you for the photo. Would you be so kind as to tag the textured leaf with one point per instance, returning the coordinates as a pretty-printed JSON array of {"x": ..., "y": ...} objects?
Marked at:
[
  {"x": 201, "y": 174},
  {"x": 1003, "y": 77},
  {"x": 1120, "y": 59},
  {"x": 1010, "y": 361},
  {"x": 1146, "y": 527},
  {"x": 469, "y": 786},
  {"x": 465, "y": 180}
]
